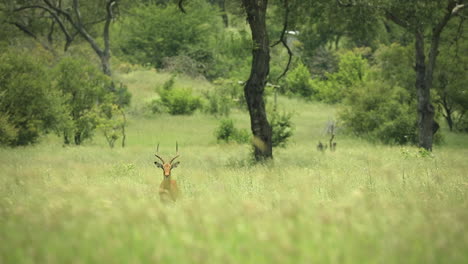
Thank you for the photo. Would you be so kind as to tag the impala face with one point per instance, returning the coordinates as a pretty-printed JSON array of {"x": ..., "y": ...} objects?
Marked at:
[{"x": 167, "y": 167}]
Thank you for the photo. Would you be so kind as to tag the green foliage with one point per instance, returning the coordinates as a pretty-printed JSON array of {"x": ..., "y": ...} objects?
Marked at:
[
  {"x": 111, "y": 121},
  {"x": 378, "y": 111},
  {"x": 450, "y": 78},
  {"x": 232, "y": 55},
  {"x": 86, "y": 93},
  {"x": 155, "y": 32},
  {"x": 394, "y": 64},
  {"x": 180, "y": 101},
  {"x": 299, "y": 82},
  {"x": 227, "y": 132},
  {"x": 282, "y": 128},
  {"x": 322, "y": 62},
  {"x": 353, "y": 70},
  {"x": 8, "y": 132},
  {"x": 226, "y": 94},
  {"x": 218, "y": 103},
  {"x": 29, "y": 105}
]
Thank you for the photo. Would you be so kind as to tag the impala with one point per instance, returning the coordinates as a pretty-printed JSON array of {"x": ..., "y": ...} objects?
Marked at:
[{"x": 168, "y": 190}]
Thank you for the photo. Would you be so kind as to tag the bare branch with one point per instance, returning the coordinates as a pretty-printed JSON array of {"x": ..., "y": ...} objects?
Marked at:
[
  {"x": 76, "y": 8},
  {"x": 24, "y": 29},
  {"x": 283, "y": 40},
  {"x": 55, "y": 16},
  {"x": 289, "y": 61},
  {"x": 285, "y": 23},
  {"x": 392, "y": 17}
]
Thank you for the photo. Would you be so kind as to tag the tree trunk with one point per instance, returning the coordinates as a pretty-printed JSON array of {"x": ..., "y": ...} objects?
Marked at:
[
  {"x": 425, "y": 108},
  {"x": 255, "y": 86},
  {"x": 224, "y": 15},
  {"x": 447, "y": 109},
  {"x": 77, "y": 138},
  {"x": 105, "y": 64}
]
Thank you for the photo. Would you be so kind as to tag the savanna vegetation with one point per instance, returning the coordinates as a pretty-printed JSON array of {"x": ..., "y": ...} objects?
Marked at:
[{"x": 308, "y": 131}]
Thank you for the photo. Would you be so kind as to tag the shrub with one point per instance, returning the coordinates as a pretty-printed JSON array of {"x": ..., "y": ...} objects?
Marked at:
[
  {"x": 157, "y": 106},
  {"x": 380, "y": 112},
  {"x": 298, "y": 82},
  {"x": 86, "y": 93},
  {"x": 282, "y": 128},
  {"x": 218, "y": 104},
  {"x": 353, "y": 70},
  {"x": 8, "y": 132},
  {"x": 227, "y": 132},
  {"x": 226, "y": 94},
  {"x": 29, "y": 105},
  {"x": 180, "y": 101}
]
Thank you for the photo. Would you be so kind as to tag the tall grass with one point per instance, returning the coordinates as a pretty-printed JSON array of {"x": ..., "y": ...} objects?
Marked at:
[{"x": 363, "y": 203}]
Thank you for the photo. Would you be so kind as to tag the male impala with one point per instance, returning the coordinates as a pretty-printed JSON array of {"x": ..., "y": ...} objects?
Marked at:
[{"x": 168, "y": 190}]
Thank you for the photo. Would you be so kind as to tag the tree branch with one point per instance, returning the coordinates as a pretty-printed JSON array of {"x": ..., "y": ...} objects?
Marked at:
[
  {"x": 283, "y": 40},
  {"x": 181, "y": 7},
  {"x": 76, "y": 8},
  {"x": 392, "y": 17},
  {"x": 109, "y": 17},
  {"x": 24, "y": 29},
  {"x": 68, "y": 37}
]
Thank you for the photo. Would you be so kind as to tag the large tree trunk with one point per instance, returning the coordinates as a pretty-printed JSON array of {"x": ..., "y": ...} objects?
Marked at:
[
  {"x": 425, "y": 108},
  {"x": 255, "y": 86}
]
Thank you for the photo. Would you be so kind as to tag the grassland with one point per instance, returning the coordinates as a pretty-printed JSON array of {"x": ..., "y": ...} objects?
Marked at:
[{"x": 364, "y": 203}]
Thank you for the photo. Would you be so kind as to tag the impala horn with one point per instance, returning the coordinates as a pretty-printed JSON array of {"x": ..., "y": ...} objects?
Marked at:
[
  {"x": 157, "y": 156},
  {"x": 177, "y": 153}
]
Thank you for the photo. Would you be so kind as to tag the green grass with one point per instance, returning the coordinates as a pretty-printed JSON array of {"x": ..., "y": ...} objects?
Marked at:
[{"x": 363, "y": 203}]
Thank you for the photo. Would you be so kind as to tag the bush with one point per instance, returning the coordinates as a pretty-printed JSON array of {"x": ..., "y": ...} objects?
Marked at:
[
  {"x": 218, "y": 104},
  {"x": 180, "y": 101},
  {"x": 226, "y": 94},
  {"x": 86, "y": 94},
  {"x": 380, "y": 112},
  {"x": 29, "y": 105},
  {"x": 298, "y": 82},
  {"x": 282, "y": 128},
  {"x": 353, "y": 70},
  {"x": 8, "y": 132},
  {"x": 227, "y": 132}
]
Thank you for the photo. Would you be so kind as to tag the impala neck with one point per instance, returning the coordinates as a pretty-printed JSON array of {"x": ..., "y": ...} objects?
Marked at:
[{"x": 167, "y": 181}]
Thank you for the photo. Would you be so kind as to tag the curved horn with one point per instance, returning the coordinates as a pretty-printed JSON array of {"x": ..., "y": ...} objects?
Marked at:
[
  {"x": 174, "y": 158},
  {"x": 177, "y": 153},
  {"x": 157, "y": 156}
]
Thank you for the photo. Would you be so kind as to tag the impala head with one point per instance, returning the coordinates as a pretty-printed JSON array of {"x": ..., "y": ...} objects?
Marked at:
[{"x": 167, "y": 166}]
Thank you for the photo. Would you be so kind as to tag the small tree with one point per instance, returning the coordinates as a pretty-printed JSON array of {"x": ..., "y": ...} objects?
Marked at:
[{"x": 84, "y": 88}]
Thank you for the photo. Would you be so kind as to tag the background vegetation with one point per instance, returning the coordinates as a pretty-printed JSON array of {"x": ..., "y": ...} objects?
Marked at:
[{"x": 77, "y": 139}]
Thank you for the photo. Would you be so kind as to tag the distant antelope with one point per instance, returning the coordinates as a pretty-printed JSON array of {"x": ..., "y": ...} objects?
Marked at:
[{"x": 168, "y": 190}]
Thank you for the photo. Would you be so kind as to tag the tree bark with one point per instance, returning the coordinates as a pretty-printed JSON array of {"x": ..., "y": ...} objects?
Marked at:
[
  {"x": 425, "y": 108},
  {"x": 255, "y": 86}
]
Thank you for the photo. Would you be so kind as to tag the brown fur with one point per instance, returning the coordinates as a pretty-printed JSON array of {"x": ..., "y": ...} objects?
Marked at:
[{"x": 168, "y": 190}]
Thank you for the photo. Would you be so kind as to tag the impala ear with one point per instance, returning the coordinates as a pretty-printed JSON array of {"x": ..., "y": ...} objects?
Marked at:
[
  {"x": 175, "y": 164},
  {"x": 159, "y": 165}
]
